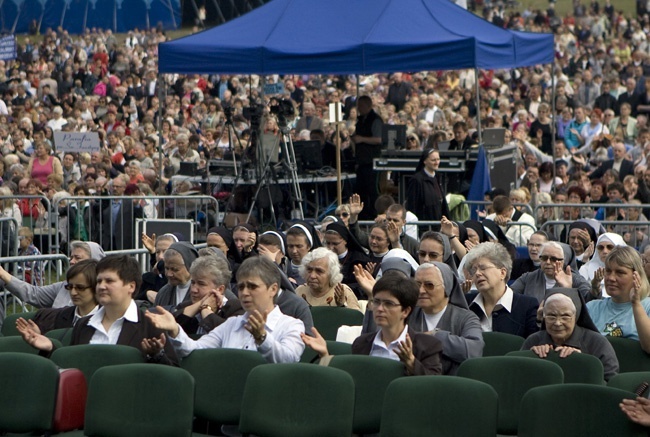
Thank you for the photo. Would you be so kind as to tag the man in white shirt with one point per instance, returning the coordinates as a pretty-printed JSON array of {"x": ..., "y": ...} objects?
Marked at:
[
  {"x": 505, "y": 213},
  {"x": 263, "y": 327},
  {"x": 118, "y": 321}
]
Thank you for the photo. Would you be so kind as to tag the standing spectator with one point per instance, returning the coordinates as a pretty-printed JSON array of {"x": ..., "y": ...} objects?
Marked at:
[
  {"x": 367, "y": 139},
  {"x": 398, "y": 92}
]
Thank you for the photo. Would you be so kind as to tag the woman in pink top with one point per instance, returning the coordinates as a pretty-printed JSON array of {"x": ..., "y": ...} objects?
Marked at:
[{"x": 42, "y": 164}]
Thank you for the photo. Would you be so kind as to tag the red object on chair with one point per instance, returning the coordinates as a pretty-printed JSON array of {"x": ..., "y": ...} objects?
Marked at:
[{"x": 70, "y": 401}]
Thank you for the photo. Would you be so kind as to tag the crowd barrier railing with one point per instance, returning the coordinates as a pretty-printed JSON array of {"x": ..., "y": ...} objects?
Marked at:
[{"x": 634, "y": 232}]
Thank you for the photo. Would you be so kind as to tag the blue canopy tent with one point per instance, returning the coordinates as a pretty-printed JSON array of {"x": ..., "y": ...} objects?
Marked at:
[{"x": 354, "y": 37}]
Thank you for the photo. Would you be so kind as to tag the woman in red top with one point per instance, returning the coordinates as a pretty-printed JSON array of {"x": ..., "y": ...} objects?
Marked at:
[{"x": 42, "y": 164}]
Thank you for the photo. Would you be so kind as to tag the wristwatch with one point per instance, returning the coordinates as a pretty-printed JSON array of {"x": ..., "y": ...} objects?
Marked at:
[
  {"x": 206, "y": 306},
  {"x": 260, "y": 340}
]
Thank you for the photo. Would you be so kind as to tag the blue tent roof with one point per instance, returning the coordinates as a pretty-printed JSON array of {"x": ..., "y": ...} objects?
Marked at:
[{"x": 354, "y": 37}]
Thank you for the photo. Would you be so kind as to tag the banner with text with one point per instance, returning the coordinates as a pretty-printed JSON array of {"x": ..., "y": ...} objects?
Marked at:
[
  {"x": 7, "y": 48},
  {"x": 78, "y": 142}
]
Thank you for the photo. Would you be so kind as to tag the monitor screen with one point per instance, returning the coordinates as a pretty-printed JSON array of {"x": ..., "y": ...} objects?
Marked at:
[{"x": 308, "y": 155}]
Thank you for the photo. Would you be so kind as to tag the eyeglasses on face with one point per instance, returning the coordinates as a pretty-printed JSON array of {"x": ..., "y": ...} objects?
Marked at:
[
  {"x": 343, "y": 214},
  {"x": 550, "y": 258},
  {"x": 387, "y": 304},
  {"x": 77, "y": 287},
  {"x": 552, "y": 318},
  {"x": 429, "y": 286},
  {"x": 482, "y": 269}
]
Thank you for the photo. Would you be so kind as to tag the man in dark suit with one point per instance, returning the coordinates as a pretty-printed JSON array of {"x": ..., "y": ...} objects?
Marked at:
[
  {"x": 629, "y": 96},
  {"x": 605, "y": 100},
  {"x": 118, "y": 277},
  {"x": 623, "y": 166},
  {"x": 118, "y": 218}
]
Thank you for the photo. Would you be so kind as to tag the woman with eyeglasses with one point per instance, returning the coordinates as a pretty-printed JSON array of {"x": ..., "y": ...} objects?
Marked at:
[
  {"x": 81, "y": 280},
  {"x": 625, "y": 312},
  {"x": 342, "y": 213},
  {"x": 496, "y": 305},
  {"x": 413, "y": 142},
  {"x": 557, "y": 269},
  {"x": 594, "y": 270},
  {"x": 567, "y": 328},
  {"x": 424, "y": 196},
  {"x": 394, "y": 299}
]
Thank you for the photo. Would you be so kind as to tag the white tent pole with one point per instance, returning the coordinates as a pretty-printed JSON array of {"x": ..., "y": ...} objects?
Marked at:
[{"x": 478, "y": 107}]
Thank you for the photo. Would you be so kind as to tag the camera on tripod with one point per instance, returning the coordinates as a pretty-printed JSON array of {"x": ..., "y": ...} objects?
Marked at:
[{"x": 282, "y": 109}]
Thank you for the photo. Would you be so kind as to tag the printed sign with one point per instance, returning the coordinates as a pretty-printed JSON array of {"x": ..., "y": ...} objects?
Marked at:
[
  {"x": 76, "y": 141},
  {"x": 273, "y": 88},
  {"x": 7, "y": 48}
]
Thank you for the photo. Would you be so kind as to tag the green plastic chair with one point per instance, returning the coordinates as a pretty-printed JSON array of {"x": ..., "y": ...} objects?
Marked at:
[
  {"x": 9, "y": 324},
  {"x": 577, "y": 368},
  {"x": 90, "y": 357},
  {"x": 29, "y": 384},
  {"x": 333, "y": 347},
  {"x": 438, "y": 406},
  {"x": 328, "y": 320},
  {"x": 220, "y": 376},
  {"x": 17, "y": 344},
  {"x": 498, "y": 344},
  {"x": 631, "y": 358},
  {"x": 511, "y": 377},
  {"x": 575, "y": 410},
  {"x": 297, "y": 400},
  {"x": 135, "y": 400},
  {"x": 371, "y": 377},
  {"x": 64, "y": 335},
  {"x": 629, "y": 381}
]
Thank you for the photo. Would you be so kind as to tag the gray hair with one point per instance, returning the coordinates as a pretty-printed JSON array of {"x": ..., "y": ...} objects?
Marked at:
[
  {"x": 333, "y": 266},
  {"x": 553, "y": 244},
  {"x": 215, "y": 268},
  {"x": 559, "y": 297},
  {"x": 496, "y": 253}
]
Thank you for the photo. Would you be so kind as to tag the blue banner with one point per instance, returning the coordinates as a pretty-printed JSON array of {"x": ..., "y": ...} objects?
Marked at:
[
  {"x": 7, "y": 48},
  {"x": 23, "y": 16}
]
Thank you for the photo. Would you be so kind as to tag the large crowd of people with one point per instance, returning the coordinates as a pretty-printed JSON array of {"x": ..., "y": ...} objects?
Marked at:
[{"x": 426, "y": 295}]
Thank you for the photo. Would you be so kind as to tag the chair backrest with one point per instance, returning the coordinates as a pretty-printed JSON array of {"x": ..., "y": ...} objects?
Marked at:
[
  {"x": 333, "y": 347},
  {"x": 90, "y": 357},
  {"x": 29, "y": 384},
  {"x": 577, "y": 368},
  {"x": 328, "y": 320},
  {"x": 64, "y": 335},
  {"x": 220, "y": 376},
  {"x": 629, "y": 381},
  {"x": 17, "y": 344},
  {"x": 9, "y": 325},
  {"x": 371, "y": 377},
  {"x": 135, "y": 400},
  {"x": 576, "y": 410},
  {"x": 499, "y": 343},
  {"x": 511, "y": 377},
  {"x": 296, "y": 400},
  {"x": 631, "y": 358},
  {"x": 438, "y": 406}
]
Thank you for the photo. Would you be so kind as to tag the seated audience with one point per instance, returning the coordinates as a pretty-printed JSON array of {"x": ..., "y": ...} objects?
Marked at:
[
  {"x": 625, "y": 312},
  {"x": 567, "y": 329},
  {"x": 178, "y": 260},
  {"x": 496, "y": 305},
  {"x": 118, "y": 321},
  {"x": 394, "y": 299},
  {"x": 594, "y": 270},
  {"x": 262, "y": 327},
  {"x": 323, "y": 287}
]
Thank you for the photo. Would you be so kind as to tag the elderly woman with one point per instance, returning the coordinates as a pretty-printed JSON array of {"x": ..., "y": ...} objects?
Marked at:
[
  {"x": 207, "y": 307},
  {"x": 394, "y": 299},
  {"x": 322, "y": 274},
  {"x": 625, "y": 312},
  {"x": 442, "y": 311},
  {"x": 555, "y": 270},
  {"x": 178, "y": 260},
  {"x": 496, "y": 305},
  {"x": 350, "y": 253},
  {"x": 594, "y": 270},
  {"x": 568, "y": 329}
]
